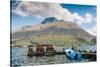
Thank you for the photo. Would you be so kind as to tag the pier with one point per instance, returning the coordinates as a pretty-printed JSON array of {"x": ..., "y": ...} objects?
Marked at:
[{"x": 50, "y": 50}]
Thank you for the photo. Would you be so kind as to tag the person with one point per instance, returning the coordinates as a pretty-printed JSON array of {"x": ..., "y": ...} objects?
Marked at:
[
  {"x": 71, "y": 56},
  {"x": 79, "y": 55},
  {"x": 70, "y": 53},
  {"x": 72, "y": 47}
]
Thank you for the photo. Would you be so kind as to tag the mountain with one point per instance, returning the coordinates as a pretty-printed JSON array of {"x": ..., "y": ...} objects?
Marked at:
[
  {"x": 49, "y": 20},
  {"x": 54, "y": 31},
  {"x": 24, "y": 28}
]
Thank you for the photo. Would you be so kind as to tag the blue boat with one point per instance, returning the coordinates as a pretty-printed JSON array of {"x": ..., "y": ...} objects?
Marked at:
[{"x": 73, "y": 55}]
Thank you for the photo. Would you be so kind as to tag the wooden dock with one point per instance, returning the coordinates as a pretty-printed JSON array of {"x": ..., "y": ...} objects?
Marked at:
[{"x": 50, "y": 51}]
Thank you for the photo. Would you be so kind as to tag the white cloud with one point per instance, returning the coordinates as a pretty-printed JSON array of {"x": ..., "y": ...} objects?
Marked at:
[
  {"x": 88, "y": 18},
  {"x": 77, "y": 18},
  {"x": 93, "y": 30},
  {"x": 44, "y": 10},
  {"x": 95, "y": 19}
]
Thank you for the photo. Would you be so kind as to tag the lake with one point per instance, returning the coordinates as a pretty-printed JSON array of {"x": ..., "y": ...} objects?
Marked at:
[{"x": 19, "y": 58}]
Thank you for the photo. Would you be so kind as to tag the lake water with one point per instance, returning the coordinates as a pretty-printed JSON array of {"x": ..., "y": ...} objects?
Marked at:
[{"x": 19, "y": 58}]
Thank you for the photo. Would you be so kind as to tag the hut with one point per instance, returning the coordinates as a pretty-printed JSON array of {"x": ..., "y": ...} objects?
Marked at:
[
  {"x": 40, "y": 50},
  {"x": 30, "y": 52}
]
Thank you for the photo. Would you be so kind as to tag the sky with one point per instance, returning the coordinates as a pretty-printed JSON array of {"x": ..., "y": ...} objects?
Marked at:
[{"x": 30, "y": 13}]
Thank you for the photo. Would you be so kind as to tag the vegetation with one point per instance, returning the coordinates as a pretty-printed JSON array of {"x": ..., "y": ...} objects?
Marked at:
[{"x": 57, "y": 40}]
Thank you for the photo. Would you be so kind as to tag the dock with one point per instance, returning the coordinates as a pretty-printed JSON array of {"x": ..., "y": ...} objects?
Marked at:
[{"x": 49, "y": 50}]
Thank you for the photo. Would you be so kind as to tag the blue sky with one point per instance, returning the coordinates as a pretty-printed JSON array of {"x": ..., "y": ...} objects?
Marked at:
[
  {"x": 82, "y": 9},
  {"x": 18, "y": 20}
]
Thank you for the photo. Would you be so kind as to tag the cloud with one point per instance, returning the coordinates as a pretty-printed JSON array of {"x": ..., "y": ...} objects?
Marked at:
[
  {"x": 88, "y": 18},
  {"x": 77, "y": 18},
  {"x": 44, "y": 10},
  {"x": 93, "y": 30}
]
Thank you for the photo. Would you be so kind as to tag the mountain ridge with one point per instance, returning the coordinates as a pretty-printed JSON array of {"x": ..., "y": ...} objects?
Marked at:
[
  {"x": 56, "y": 27},
  {"x": 48, "y": 22}
]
